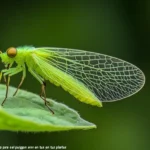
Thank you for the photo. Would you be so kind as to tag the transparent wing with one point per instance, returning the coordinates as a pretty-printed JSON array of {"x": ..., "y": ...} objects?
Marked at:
[{"x": 109, "y": 78}]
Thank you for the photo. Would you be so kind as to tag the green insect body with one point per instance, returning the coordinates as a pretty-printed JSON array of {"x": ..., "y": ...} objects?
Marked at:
[
  {"x": 91, "y": 77},
  {"x": 59, "y": 78}
]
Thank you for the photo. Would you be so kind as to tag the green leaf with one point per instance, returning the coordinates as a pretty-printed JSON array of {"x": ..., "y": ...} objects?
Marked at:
[{"x": 27, "y": 112}]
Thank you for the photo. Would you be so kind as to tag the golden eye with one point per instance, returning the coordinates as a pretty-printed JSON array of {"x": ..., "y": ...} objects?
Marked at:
[{"x": 11, "y": 52}]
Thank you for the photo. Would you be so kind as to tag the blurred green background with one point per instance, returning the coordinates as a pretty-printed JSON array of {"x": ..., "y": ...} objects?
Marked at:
[{"x": 119, "y": 28}]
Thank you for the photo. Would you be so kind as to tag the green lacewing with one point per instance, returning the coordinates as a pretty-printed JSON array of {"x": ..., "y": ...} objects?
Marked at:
[{"x": 91, "y": 77}]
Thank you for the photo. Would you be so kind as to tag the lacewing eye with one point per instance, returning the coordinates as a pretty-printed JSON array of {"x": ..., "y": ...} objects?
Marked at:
[{"x": 11, "y": 52}]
